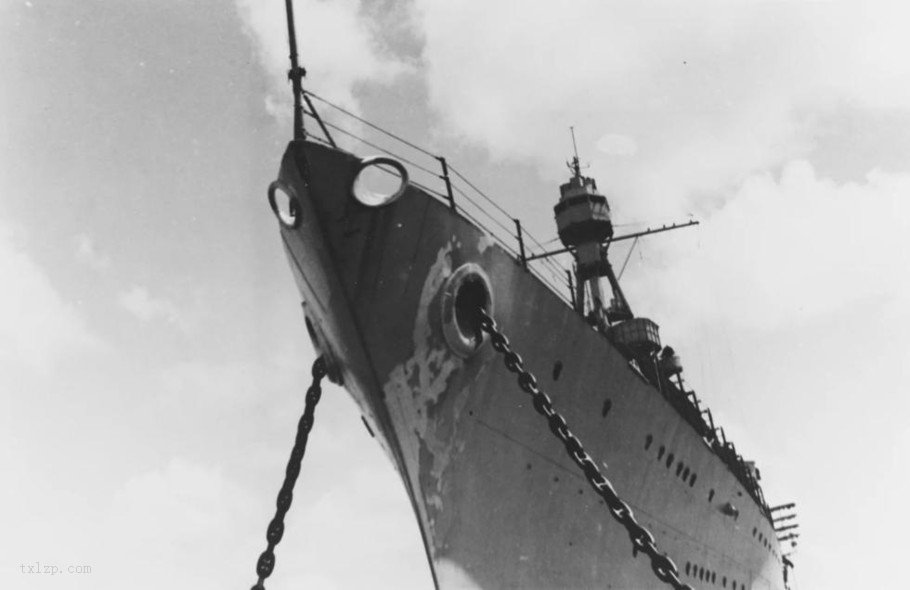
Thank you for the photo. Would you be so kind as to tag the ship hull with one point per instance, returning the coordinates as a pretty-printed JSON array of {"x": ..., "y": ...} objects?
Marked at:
[{"x": 498, "y": 502}]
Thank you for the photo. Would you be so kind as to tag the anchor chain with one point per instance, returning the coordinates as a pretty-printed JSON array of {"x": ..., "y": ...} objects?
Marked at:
[
  {"x": 266, "y": 562},
  {"x": 642, "y": 540}
]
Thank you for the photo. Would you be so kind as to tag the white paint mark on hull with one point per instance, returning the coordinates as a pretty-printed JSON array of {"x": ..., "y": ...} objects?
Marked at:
[
  {"x": 414, "y": 388},
  {"x": 452, "y": 576}
]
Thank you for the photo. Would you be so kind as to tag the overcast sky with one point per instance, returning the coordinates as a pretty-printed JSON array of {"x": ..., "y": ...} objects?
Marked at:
[{"x": 153, "y": 355}]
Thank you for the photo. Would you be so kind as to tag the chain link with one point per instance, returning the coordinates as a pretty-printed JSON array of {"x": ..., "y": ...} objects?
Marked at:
[
  {"x": 275, "y": 531},
  {"x": 642, "y": 539}
]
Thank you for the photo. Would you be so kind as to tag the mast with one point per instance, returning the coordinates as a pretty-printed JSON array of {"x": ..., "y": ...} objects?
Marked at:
[
  {"x": 575, "y": 166},
  {"x": 583, "y": 221},
  {"x": 295, "y": 74}
]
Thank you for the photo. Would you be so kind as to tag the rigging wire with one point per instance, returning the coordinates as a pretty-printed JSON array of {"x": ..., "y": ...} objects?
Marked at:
[
  {"x": 478, "y": 191},
  {"x": 493, "y": 219},
  {"x": 374, "y": 126},
  {"x": 383, "y": 150},
  {"x": 558, "y": 270},
  {"x": 628, "y": 256}
]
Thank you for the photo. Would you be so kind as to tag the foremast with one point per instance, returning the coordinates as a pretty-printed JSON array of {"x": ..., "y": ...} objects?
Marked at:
[
  {"x": 585, "y": 226},
  {"x": 296, "y": 73}
]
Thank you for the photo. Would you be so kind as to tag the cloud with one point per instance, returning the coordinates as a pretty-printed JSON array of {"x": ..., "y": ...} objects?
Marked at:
[
  {"x": 196, "y": 499},
  {"x": 87, "y": 254},
  {"x": 335, "y": 45},
  {"x": 236, "y": 385},
  {"x": 711, "y": 92},
  {"x": 613, "y": 144},
  {"x": 38, "y": 327},
  {"x": 788, "y": 250},
  {"x": 172, "y": 520},
  {"x": 146, "y": 308}
]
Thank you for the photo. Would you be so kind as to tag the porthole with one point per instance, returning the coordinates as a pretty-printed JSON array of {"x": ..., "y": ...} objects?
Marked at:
[
  {"x": 669, "y": 460},
  {"x": 648, "y": 440},
  {"x": 660, "y": 452},
  {"x": 557, "y": 370},
  {"x": 710, "y": 495},
  {"x": 687, "y": 568},
  {"x": 685, "y": 474},
  {"x": 606, "y": 408},
  {"x": 679, "y": 468},
  {"x": 724, "y": 579},
  {"x": 713, "y": 577},
  {"x": 379, "y": 181},
  {"x": 692, "y": 480},
  {"x": 284, "y": 204}
]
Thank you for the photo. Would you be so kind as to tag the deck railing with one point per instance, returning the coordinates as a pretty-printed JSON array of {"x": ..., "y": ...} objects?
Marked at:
[{"x": 436, "y": 175}]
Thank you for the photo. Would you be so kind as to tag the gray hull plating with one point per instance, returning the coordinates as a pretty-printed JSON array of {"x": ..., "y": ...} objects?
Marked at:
[{"x": 498, "y": 503}]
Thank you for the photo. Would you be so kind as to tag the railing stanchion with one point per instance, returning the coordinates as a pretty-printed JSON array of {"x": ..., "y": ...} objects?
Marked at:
[
  {"x": 445, "y": 177},
  {"x": 316, "y": 116},
  {"x": 521, "y": 244}
]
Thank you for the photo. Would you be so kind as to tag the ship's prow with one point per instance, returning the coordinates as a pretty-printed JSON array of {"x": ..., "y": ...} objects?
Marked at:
[
  {"x": 386, "y": 291},
  {"x": 580, "y": 461}
]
